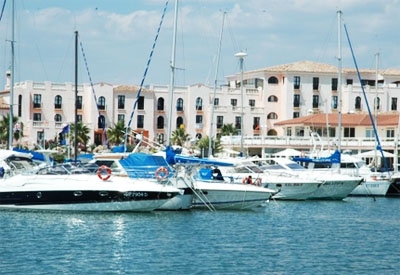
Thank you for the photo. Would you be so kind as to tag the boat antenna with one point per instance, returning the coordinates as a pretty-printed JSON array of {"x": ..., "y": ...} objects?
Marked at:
[
  {"x": 215, "y": 87},
  {"x": 144, "y": 77}
]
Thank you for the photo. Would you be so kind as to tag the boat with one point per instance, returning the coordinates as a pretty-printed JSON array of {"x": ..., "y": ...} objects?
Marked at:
[{"x": 50, "y": 189}]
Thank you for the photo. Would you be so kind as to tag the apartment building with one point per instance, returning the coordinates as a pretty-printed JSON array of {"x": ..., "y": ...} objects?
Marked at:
[{"x": 269, "y": 96}]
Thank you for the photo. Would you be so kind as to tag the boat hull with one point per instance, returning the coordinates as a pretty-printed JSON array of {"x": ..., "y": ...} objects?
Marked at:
[
  {"x": 335, "y": 189},
  {"x": 371, "y": 188}
]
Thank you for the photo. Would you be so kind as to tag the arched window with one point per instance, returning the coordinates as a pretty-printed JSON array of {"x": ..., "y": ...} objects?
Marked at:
[
  {"x": 57, "y": 118},
  {"x": 57, "y": 102},
  {"x": 272, "y": 116},
  {"x": 272, "y": 80},
  {"x": 101, "y": 103},
  {"x": 179, "y": 105},
  {"x": 272, "y": 98},
  {"x": 358, "y": 103},
  {"x": 160, "y": 104},
  {"x": 179, "y": 122},
  {"x": 160, "y": 122},
  {"x": 199, "y": 104}
]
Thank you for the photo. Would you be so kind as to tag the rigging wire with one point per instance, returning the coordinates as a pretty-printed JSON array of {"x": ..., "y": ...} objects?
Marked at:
[
  {"x": 144, "y": 75},
  {"x": 102, "y": 121},
  {"x": 2, "y": 9}
]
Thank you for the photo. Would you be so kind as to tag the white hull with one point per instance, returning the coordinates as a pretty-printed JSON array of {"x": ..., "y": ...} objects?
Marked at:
[
  {"x": 372, "y": 188},
  {"x": 229, "y": 196},
  {"x": 335, "y": 189},
  {"x": 84, "y": 192}
]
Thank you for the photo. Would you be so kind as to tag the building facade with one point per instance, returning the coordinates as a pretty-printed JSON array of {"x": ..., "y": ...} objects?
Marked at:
[{"x": 268, "y": 97}]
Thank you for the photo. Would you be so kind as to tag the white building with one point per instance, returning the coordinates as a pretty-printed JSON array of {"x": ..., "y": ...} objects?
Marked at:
[{"x": 270, "y": 95}]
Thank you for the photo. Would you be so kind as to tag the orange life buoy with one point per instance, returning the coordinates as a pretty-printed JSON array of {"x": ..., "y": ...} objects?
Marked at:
[
  {"x": 162, "y": 173},
  {"x": 104, "y": 172}
]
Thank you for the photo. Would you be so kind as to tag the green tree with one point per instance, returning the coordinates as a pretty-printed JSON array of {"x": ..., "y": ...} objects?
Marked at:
[
  {"x": 82, "y": 134},
  {"x": 179, "y": 136},
  {"x": 229, "y": 129},
  {"x": 4, "y": 129},
  {"x": 203, "y": 145},
  {"x": 116, "y": 134}
]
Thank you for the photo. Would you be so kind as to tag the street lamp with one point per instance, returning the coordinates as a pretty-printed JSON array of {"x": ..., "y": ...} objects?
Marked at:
[{"x": 241, "y": 56}]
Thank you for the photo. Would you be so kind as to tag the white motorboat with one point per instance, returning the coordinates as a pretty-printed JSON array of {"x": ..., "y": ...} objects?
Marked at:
[{"x": 81, "y": 192}]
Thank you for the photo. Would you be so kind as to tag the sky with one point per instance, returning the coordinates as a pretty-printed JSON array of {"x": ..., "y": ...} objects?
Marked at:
[{"x": 117, "y": 38}]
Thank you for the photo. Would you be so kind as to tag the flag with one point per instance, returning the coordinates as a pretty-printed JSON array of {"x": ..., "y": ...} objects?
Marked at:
[{"x": 65, "y": 129}]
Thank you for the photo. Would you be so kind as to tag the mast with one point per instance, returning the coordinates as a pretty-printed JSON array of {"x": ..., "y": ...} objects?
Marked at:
[
  {"x": 339, "y": 14},
  {"x": 10, "y": 130},
  {"x": 376, "y": 105},
  {"x": 76, "y": 98},
  {"x": 215, "y": 88},
  {"x": 172, "y": 82},
  {"x": 241, "y": 56}
]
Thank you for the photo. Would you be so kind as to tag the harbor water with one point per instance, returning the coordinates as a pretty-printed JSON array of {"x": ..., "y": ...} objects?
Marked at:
[{"x": 353, "y": 236}]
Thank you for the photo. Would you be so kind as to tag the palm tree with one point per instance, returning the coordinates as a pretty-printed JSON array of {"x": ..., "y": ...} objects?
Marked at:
[
  {"x": 116, "y": 134},
  {"x": 4, "y": 129},
  {"x": 229, "y": 129},
  {"x": 82, "y": 134},
  {"x": 179, "y": 136},
  {"x": 203, "y": 145}
]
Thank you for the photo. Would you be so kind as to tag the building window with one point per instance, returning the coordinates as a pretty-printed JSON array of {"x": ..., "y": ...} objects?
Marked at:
[
  {"x": 296, "y": 101},
  {"x": 79, "y": 102},
  {"x": 19, "y": 105},
  {"x": 160, "y": 138},
  {"x": 273, "y": 80},
  {"x": 252, "y": 103},
  {"x": 121, "y": 117},
  {"x": 160, "y": 104},
  {"x": 349, "y": 132},
  {"x": 256, "y": 123},
  {"x": 377, "y": 103},
  {"x": 216, "y": 101},
  {"x": 393, "y": 106},
  {"x": 179, "y": 122},
  {"x": 179, "y": 105},
  {"x": 369, "y": 133},
  {"x": 57, "y": 102},
  {"x": 296, "y": 114},
  {"x": 349, "y": 81},
  {"x": 140, "y": 105},
  {"x": 334, "y": 84},
  {"x": 272, "y": 116},
  {"x": 160, "y": 122},
  {"x": 334, "y": 102},
  {"x": 390, "y": 133},
  {"x": 79, "y": 118},
  {"x": 57, "y": 118},
  {"x": 238, "y": 122},
  {"x": 37, "y": 101},
  {"x": 357, "y": 104},
  {"x": 121, "y": 102},
  {"x": 40, "y": 137},
  {"x": 220, "y": 122},
  {"x": 37, "y": 117},
  {"x": 199, "y": 104},
  {"x": 101, "y": 122},
  {"x": 316, "y": 83},
  {"x": 101, "y": 103},
  {"x": 199, "y": 119},
  {"x": 140, "y": 121},
  {"x": 315, "y": 101},
  {"x": 296, "y": 82},
  {"x": 234, "y": 102},
  {"x": 272, "y": 98}
]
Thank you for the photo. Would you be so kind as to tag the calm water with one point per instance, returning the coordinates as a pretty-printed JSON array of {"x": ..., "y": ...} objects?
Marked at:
[{"x": 357, "y": 236}]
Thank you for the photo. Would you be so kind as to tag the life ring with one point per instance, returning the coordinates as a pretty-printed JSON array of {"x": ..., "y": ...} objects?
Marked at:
[
  {"x": 162, "y": 173},
  {"x": 100, "y": 172}
]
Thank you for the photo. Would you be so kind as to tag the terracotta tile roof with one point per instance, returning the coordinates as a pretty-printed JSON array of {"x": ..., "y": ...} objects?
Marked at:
[{"x": 358, "y": 119}]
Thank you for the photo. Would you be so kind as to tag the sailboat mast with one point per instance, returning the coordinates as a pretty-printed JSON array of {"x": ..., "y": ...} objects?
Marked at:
[
  {"x": 339, "y": 14},
  {"x": 215, "y": 88},
  {"x": 376, "y": 105},
  {"x": 172, "y": 82},
  {"x": 76, "y": 98},
  {"x": 10, "y": 130}
]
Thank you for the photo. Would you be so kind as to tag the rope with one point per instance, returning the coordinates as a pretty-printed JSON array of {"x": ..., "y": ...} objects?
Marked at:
[
  {"x": 2, "y": 9},
  {"x": 144, "y": 76},
  {"x": 94, "y": 95}
]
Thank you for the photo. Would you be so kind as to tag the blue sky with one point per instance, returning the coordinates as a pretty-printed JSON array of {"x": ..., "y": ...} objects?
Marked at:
[{"x": 117, "y": 37}]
